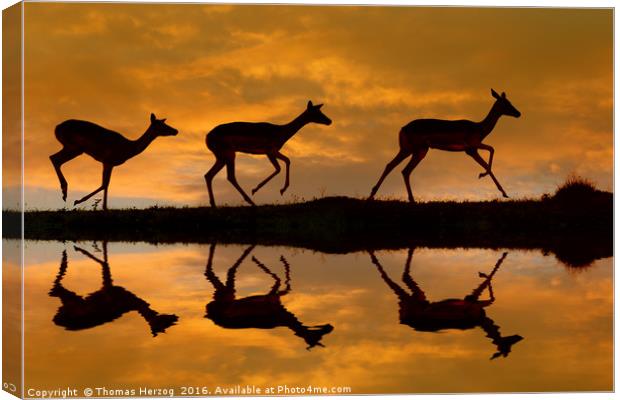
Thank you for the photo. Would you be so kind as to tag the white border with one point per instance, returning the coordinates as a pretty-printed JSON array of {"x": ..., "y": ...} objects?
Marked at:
[{"x": 470, "y": 3}]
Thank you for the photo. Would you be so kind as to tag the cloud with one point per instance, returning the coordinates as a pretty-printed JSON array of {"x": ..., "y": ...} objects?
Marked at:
[{"x": 375, "y": 69}]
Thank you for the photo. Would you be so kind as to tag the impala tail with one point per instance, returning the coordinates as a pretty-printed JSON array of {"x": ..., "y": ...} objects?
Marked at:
[
  {"x": 210, "y": 140},
  {"x": 402, "y": 138}
]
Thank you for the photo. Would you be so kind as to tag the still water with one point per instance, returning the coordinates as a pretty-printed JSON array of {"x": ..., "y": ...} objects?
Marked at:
[{"x": 408, "y": 321}]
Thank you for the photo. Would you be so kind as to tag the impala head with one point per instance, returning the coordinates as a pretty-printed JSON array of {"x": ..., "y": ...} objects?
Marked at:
[
  {"x": 505, "y": 107},
  {"x": 314, "y": 114},
  {"x": 160, "y": 128},
  {"x": 313, "y": 335}
]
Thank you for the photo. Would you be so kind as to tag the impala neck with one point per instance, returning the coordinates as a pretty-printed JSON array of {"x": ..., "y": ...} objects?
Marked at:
[
  {"x": 290, "y": 129},
  {"x": 296, "y": 326},
  {"x": 488, "y": 123},
  {"x": 492, "y": 330},
  {"x": 145, "y": 311},
  {"x": 140, "y": 144}
]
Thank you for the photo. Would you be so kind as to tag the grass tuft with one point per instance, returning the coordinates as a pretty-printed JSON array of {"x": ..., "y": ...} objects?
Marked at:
[{"x": 576, "y": 189}]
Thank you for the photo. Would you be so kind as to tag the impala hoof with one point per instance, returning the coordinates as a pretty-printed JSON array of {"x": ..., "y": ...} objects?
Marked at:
[
  {"x": 506, "y": 196},
  {"x": 282, "y": 191},
  {"x": 482, "y": 175},
  {"x": 254, "y": 191}
]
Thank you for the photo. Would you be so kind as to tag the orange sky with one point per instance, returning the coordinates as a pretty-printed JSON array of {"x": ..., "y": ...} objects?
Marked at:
[{"x": 375, "y": 68}]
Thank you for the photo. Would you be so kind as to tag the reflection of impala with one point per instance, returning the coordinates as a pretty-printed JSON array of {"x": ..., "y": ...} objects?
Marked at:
[
  {"x": 105, "y": 305},
  {"x": 467, "y": 313},
  {"x": 419, "y": 135},
  {"x": 264, "y": 311}
]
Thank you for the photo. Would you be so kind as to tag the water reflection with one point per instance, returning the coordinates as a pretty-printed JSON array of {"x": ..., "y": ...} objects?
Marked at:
[
  {"x": 467, "y": 313},
  {"x": 104, "y": 305},
  {"x": 369, "y": 350},
  {"x": 264, "y": 311}
]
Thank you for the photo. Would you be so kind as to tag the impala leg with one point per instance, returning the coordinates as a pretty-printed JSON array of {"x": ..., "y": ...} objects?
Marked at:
[
  {"x": 219, "y": 164},
  {"x": 491, "y": 150},
  {"x": 474, "y": 154},
  {"x": 400, "y": 292},
  {"x": 211, "y": 277},
  {"x": 287, "y": 165},
  {"x": 287, "y": 277},
  {"x": 107, "y": 171},
  {"x": 230, "y": 170},
  {"x": 58, "y": 290},
  {"x": 107, "y": 174},
  {"x": 476, "y": 293},
  {"x": 107, "y": 275},
  {"x": 275, "y": 164},
  {"x": 402, "y": 154},
  {"x": 276, "y": 286},
  {"x": 232, "y": 271},
  {"x": 411, "y": 284},
  {"x": 105, "y": 267},
  {"x": 58, "y": 159},
  {"x": 57, "y": 287},
  {"x": 415, "y": 160}
]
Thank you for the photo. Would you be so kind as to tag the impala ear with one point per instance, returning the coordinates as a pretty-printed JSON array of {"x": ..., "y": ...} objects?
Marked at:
[
  {"x": 494, "y": 94},
  {"x": 309, "y": 103},
  {"x": 318, "y": 106},
  {"x": 153, "y": 119},
  {"x": 503, "y": 95}
]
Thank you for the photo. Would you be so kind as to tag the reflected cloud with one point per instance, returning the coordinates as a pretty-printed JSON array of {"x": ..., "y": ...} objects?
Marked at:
[
  {"x": 369, "y": 351},
  {"x": 462, "y": 314}
]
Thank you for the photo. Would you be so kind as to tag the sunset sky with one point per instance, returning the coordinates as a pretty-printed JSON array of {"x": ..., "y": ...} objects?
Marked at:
[{"x": 374, "y": 68}]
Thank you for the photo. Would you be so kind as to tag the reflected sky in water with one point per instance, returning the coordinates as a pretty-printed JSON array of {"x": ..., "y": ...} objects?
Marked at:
[{"x": 563, "y": 315}]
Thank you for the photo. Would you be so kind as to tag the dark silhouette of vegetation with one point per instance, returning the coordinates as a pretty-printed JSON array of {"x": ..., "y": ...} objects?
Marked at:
[
  {"x": 576, "y": 233},
  {"x": 576, "y": 189}
]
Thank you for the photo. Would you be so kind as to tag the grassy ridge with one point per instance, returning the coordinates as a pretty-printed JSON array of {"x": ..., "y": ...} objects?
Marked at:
[{"x": 568, "y": 227}]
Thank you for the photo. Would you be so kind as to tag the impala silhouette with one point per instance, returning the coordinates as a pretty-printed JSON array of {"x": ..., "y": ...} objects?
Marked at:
[
  {"x": 423, "y": 315},
  {"x": 420, "y": 135},
  {"x": 264, "y": 311},
  {"x": 108, "y": 147},
  {"x": 105, "y": 305},
  {"x": 256, "y": 138}
]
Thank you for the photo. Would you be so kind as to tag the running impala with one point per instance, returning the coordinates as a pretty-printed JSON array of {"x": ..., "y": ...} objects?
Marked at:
[{"x": 419, "y": 135}]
